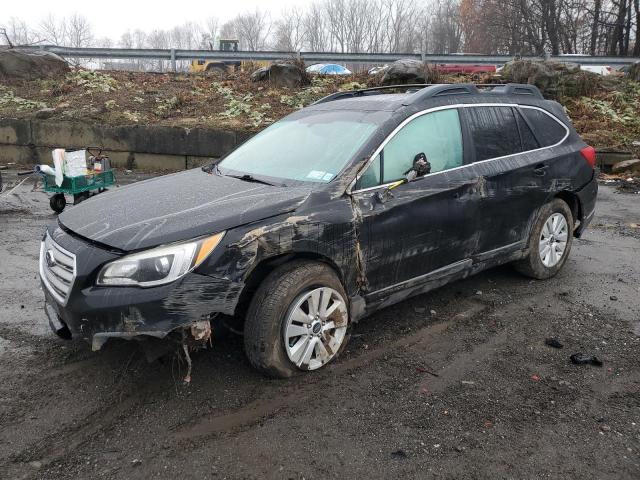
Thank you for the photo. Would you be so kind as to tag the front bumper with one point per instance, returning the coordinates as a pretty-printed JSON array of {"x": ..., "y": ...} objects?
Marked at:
[{"x": 96, "y": 314}]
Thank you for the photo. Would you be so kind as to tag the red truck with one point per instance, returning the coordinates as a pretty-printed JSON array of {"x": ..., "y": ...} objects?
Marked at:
[{"x": 466, "y": 68}]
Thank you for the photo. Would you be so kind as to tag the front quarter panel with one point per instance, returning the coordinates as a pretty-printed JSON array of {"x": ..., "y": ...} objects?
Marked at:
[{"x": 323, "y": 228}]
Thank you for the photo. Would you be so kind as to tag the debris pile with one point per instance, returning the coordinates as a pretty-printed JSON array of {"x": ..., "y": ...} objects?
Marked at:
[
  {"x": 603, "y": 110},
  {"x": 554, "y": 79}
]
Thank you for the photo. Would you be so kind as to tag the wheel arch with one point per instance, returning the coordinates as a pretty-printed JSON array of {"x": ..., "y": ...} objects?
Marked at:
[
  {"x": 573, "y": 201},
  {"x": 266, "y": 266}
]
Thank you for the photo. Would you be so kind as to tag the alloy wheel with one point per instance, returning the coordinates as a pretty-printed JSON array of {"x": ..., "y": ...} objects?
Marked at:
[
  {"x": 553, "y": 240},
  {"x": 315, "y": 328}
]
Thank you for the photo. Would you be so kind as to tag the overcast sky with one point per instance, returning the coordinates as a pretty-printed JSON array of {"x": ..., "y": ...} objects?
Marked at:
[{"x": 110, "y": 18}]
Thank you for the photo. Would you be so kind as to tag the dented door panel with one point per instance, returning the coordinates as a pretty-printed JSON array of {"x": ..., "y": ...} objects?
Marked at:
[{"x": 425, "y": 225}]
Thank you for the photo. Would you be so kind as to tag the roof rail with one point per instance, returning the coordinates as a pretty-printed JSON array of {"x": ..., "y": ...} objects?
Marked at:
[
  {"x": 368, "y": 91},
  {"x": 430, "y": 90},
  {"x": 442, "y": 90},
  {"x": 517, "y": 89}
]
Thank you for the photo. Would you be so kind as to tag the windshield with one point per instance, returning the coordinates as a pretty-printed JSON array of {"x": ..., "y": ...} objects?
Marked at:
[{"x": 308, "y": 147}]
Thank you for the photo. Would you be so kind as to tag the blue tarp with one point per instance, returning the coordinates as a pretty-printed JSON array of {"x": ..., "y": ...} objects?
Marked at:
[{"x": 328, "y": 69}]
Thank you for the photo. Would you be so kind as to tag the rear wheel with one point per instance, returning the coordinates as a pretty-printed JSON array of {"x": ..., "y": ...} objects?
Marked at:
[
  {"x": 298, "y": 320},
  {"x": 549, "y": 243}
]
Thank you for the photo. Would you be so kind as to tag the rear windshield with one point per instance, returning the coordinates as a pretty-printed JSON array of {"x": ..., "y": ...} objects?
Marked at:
[{"x": 310, "y": 147}]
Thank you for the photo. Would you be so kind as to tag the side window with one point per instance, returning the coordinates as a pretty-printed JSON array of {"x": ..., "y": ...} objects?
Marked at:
[
  {"x": 529, "y": 141},
  {"x": 494, "y": 131},
  {"x": 547, "y": 130},
  {"x": 438, "y": 135},
  {"x": 371, "y": 176}
]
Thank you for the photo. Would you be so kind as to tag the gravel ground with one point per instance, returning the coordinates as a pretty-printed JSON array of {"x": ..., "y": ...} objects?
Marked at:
[{"x": 457, "y": 383}]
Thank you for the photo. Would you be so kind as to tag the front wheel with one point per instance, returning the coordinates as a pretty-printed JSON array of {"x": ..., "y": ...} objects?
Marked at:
[
  {"x": 549, "y": 241},
  {"x": 298, "y": 320}
]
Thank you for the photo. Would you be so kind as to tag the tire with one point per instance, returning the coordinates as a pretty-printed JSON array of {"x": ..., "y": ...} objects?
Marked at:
[
  {"x": 540, "y": 263},
  {"x": 276, "y": 309},
  {"x": 58, "y": 202}
]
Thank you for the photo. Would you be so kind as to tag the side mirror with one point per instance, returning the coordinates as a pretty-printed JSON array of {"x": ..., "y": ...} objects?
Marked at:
[{"x": 420, "y": 167}]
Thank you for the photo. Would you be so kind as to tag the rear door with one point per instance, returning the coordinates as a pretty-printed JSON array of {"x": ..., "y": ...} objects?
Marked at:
[
  {"x": 515, "y": 165},
  {"x": 425, "y": 225}
]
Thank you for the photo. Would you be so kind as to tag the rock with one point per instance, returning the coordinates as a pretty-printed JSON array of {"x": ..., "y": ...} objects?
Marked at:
[
  {"x": 407, "y": 70},
  {"x": 260, "y": 74},
  {"x": 282, "y": 74},
  {"x": 15, "y": 63},
  {"x": 634, "y": 71},
  {"x": 555, "y": 79},
  {"x": 613, "y": 297},
  {"x": 35, "y": 464},
  {"x": 627, "y": 166},
  {"x": 45, "y": 113}
]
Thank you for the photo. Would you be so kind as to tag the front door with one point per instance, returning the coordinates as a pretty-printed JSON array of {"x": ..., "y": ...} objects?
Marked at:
[{"x": 423, "y": 226}]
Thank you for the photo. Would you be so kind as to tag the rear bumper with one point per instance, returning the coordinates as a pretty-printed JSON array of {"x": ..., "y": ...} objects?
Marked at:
[{"x": 587, "y": 196}]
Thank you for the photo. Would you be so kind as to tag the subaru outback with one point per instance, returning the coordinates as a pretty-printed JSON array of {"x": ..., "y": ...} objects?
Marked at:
[{"x": 344, "y": 207}]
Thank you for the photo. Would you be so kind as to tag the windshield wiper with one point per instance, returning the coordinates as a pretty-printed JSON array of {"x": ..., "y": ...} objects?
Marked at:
[{"x": 249, "y": 178}]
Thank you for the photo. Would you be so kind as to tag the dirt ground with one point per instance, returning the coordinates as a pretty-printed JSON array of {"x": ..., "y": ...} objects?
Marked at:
[{"x": 457, "y": 383}]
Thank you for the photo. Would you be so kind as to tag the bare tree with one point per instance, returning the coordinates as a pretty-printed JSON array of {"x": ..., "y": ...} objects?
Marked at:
[
  {"x": 315, "y": 28},
  {"x": 18, "y": 32},
  {"x": 54, "y": 31},
  {"x": 252, "y": 29},
  {"x": 210, "y": 32},
  {"x": 290, "y": 30},
  {"x": 78, "y": 31}
]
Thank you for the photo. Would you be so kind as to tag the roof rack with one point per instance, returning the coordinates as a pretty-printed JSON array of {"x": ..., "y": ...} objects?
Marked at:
[
  {"x": 423, "y": 91},
  {"x": 517, "y": 89},
  {"x": 369, "y": 91}
]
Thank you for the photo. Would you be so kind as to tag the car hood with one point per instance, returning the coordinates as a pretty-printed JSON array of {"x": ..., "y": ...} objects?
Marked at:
[{"x": 176, "y": 207}]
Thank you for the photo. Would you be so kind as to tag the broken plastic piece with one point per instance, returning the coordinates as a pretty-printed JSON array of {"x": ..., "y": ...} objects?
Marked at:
[
  {"x": 585, "y": 358},
  {"x": 187, "y": 377},
  {"x": 201, "y": 330},
  {"x": 553, "y": 342}
]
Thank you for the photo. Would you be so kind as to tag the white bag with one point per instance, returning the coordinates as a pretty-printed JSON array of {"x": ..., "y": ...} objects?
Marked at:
[
  {"x": 75, "y": 163},
  {"x": 58, "y": 164}
]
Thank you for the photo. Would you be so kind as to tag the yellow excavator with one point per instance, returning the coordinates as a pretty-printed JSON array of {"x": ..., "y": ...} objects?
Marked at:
[{"x": 223, "y": 66}]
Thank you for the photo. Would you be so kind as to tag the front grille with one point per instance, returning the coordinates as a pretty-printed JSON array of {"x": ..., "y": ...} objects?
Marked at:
[{"x": 57, "y": 269}]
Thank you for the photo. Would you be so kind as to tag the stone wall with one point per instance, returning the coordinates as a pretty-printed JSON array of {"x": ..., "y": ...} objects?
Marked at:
[{"x": 29, "y": 142}]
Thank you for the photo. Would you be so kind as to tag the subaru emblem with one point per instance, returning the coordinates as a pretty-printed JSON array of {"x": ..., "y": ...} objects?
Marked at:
[{"x": 50, "y": 259}]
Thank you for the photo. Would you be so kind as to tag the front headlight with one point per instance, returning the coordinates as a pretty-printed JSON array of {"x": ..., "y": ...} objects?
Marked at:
[{"x": 159, "y": 265}]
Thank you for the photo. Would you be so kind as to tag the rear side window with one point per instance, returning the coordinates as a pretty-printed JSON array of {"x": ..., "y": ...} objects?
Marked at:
[
  {"x": 547, "y": 130},
  {"x": 529, "y": 141},
  {"x": 494, "y": 132}
]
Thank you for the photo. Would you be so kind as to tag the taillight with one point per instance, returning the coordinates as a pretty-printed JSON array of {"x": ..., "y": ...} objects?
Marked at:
[{"x": 589, "y": 154}]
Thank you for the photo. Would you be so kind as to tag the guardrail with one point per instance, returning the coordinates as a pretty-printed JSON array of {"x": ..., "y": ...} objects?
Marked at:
[{"x": 174, "y": 54}]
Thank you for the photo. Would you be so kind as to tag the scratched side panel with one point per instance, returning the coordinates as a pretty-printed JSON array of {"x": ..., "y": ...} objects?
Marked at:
[{"x": 323, "y": 226}]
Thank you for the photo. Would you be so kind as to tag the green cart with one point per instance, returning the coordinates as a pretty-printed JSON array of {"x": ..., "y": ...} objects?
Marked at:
[{"x": 80, "y": 187}]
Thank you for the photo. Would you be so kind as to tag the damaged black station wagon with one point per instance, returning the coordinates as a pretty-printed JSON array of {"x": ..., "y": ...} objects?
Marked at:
[{"x": 352, "y": 204}]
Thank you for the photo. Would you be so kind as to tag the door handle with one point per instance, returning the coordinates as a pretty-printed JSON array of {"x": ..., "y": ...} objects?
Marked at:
[{"x": 540, "y": 169}]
